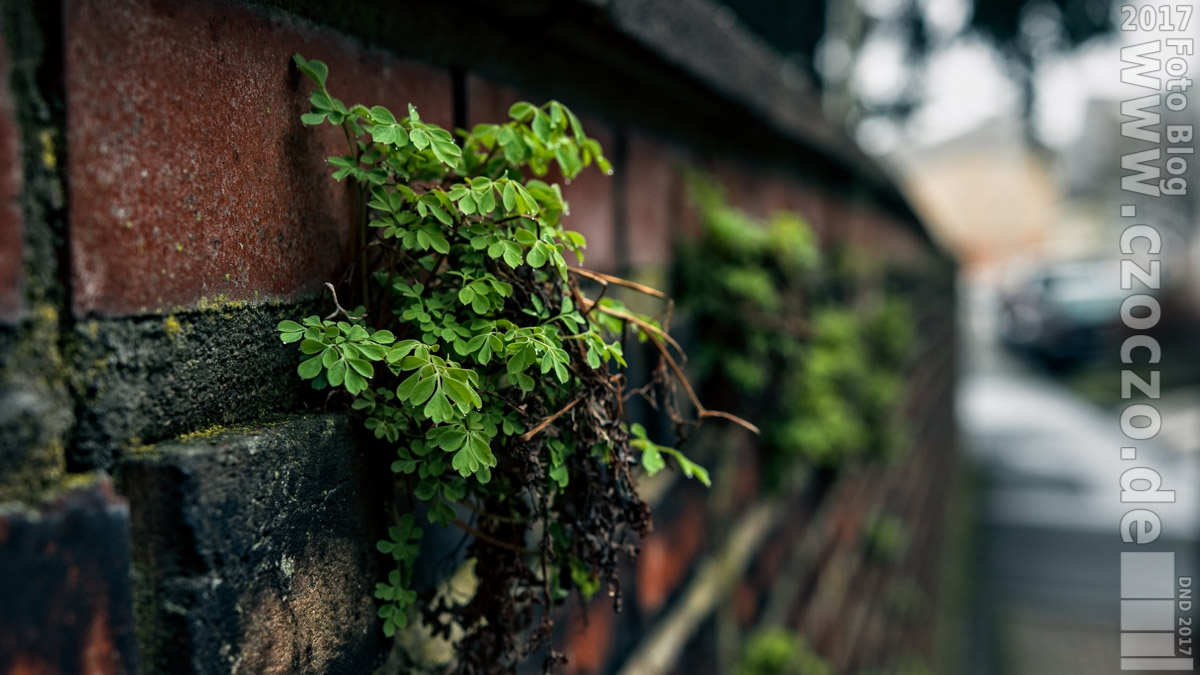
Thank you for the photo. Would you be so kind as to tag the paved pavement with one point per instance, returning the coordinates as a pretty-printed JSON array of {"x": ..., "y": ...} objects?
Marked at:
[{"x": 1049, "y": 465}]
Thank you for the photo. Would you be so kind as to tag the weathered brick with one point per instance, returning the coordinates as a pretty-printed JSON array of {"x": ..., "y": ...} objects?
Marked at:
[
  {"x": 65, "y": 602},
  {"x": 192, "y": 177},
  {"x": 11, "y": 226},
  {"x": 254, "y": 550},
  {"x": 590, "y": 195}
]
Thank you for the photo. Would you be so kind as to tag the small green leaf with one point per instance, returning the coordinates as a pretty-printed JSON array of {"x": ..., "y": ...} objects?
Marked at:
[
  {"x": 315, "y": 70},
  {"x": 537, "y": 257},
  {"x": 364, "y": 368},
  {"x": 309, "y": 369},
  {"x": 486, "y": 202},
  {"x": 313, "y": 118},
  {"x": 510, "y": 197},
  {"x": 652, "y": 459},
  {"x": 559, "y": 475},
  {"x": 520, "y": 110},
  {"x": 383, "y": 134},
  {"x": 337, "y": 373},
  {"x": 426, "y": 490},
  {"x": 440, "y": 214},
  {"x": 312, "y": 346},
  {"x": 354, "y": 382},
  {"x": 321, "y": 101},
  {"x": 382, "y": 115},
  {"x": 512, "y": 253},
  {"x": 329, "y": 356},
  {"x": 541, "y": 126},
  {"x": 575, "y": 239}
]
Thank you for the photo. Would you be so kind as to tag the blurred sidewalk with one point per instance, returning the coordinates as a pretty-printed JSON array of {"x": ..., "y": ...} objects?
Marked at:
[{"x": 1048, "y": 463}]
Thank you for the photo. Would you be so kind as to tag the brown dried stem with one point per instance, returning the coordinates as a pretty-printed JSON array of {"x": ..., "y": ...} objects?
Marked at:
[{"x": 528, "y": 435}]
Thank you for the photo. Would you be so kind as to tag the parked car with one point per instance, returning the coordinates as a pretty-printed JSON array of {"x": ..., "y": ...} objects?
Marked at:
[{"x": 1063, "y": 314}]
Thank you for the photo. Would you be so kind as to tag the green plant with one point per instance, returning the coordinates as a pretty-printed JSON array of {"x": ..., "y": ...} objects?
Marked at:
[
  {"x": 885, "y": 537},
  {"x": 473, "y": 353},
  {"x": 814, "y": 350},
  {"x": 777, "y": 651}
]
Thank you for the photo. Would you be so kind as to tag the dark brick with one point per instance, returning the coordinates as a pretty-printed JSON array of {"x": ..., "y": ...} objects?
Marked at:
[
  {"x": 35, "y": 407},
  {"x": 254, "y": 550},
  {"x": 146, "y": 379},
  {"x": 11, "y": 227},
  {"x": 192, "y": 177},
  {"x": 65, "y": 601}
]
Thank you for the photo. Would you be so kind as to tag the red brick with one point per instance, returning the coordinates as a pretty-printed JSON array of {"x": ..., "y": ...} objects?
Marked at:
[
  {"x": 652, "y": 184},
  {"x": 901, "y": 241},
  {"x": 11, "y": 225},
  {"x": 684, "y": 219},
  {"x": 834, "y": 227},
  {"x": 652, "y": 561},
  {"x": 810, "y": 203},
  {"x": 590, "y": 195},
  {"x": 747, "y": 486},
  {"x": 743, "y": 184},
  {"x": 589, "y": 639},
  {"x": 785, "y": 193},
  {"x": 875, "y": 234},
  {"x": 191, "y": 174},
  {"x": 668, "y": 553},
  {"x": 745, "y": 603},
  {"x": 488, "y": 102}
]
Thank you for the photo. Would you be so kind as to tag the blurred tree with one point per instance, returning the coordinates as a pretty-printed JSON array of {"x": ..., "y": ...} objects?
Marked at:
[{"x": 824, "y": 37}]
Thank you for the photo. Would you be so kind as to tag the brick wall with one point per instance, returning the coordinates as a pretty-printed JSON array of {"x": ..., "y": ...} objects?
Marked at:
[{"x": 173, "y": 500}]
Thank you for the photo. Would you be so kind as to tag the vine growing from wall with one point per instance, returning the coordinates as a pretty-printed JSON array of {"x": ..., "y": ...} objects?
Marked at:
[{"x": 462, "y": 338}]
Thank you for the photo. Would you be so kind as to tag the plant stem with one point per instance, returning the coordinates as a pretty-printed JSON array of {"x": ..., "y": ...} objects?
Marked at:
[{"x": 492, "y": 540}]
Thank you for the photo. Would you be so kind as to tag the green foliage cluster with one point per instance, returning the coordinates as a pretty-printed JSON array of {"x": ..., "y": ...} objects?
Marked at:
[
  {"x": 886, "y": 537},
  {"x": 819, "y": 357},
  {"x": 777, "y": 651},
  {"x": 476, "y": 357}
]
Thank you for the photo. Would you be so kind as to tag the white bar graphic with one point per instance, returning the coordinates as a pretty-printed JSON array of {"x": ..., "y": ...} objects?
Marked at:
[
  {"x": 1148, "y": 615},
  {"x": 1156, "y": 664},
  {"x": 1147, "y": 644},
  {"x": 1148, "y": 575}
]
